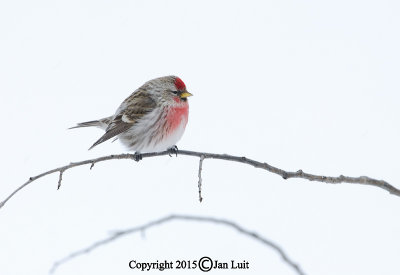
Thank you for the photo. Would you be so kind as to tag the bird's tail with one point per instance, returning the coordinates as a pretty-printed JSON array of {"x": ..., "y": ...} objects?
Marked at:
[{"x": 101, "y": 123}]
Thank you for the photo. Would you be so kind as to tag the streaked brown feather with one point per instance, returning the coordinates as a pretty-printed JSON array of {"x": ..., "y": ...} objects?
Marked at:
[
  {"x": 86, "y": 124},
  {"x": 112, "y": 132},
  {"x": 102, "y": 123},
  {"x": 138, "y": 104}
]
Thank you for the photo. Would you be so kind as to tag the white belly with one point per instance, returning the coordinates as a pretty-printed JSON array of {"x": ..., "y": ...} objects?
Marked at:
[{"x": 146, "y": 136}]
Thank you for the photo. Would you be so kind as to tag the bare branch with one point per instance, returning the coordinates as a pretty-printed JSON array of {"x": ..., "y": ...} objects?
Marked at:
[
  {"x": 200, "y": 179},
  {"x": 142, "y": 228},
  {"x": 60, "y": 179},
  {"x": 262, "y": 165}
]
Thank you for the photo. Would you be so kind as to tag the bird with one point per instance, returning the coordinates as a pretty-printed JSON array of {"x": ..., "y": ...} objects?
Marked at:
[{"x": 152, "y": 119}]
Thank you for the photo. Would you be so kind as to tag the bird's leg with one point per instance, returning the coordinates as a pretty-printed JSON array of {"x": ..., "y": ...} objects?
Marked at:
[
  {"x": 137, "y": 156},
  {"x": 173, "y": 150}
]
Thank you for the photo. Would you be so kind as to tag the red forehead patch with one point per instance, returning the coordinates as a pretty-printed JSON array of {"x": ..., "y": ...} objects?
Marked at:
[{"x": 179, "y": 84}]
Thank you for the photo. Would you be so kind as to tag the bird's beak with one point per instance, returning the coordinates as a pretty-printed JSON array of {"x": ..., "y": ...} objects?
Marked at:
[{"x": 185, "y": 94}]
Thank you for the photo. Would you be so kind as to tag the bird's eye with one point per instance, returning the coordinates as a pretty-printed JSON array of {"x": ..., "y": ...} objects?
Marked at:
[{"x": 175, "y": 92}]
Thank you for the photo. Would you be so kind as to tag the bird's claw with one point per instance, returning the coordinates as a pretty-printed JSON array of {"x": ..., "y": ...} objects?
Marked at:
[
  {"x": 137, "y": 156},
  {"x": 173, "y": 150}
]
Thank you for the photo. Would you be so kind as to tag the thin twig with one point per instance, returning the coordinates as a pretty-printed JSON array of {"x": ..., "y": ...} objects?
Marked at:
[
  {"x": 200, "y": 179},
  {"x": 60, "y": 179},
  {"x": 262, "y": 165},
  {"x": 142, "y": 228}
]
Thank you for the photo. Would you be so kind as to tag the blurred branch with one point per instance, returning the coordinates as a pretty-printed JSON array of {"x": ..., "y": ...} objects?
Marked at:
[
  {"x": 122, "y": 233},
  {"x": 262, "y": 165}
]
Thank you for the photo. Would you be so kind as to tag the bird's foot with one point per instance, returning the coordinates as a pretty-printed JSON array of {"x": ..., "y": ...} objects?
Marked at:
[
  {"x": 173, "y": 150},
  {"x": 137, "y": 156}
]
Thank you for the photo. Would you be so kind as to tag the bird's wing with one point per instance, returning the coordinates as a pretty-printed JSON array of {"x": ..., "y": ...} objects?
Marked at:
[{"x": 130, "y": 112}]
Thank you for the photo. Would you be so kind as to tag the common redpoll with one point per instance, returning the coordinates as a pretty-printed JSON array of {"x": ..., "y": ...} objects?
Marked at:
[{"x": 152, "y": 119}]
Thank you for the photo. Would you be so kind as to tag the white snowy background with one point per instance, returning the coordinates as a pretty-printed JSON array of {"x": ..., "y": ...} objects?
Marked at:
[{"x": 310, "y": 85}]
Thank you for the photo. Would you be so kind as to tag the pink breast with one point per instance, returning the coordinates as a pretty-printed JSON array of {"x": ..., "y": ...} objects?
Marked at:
[{"x": 176, "y": 115}]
